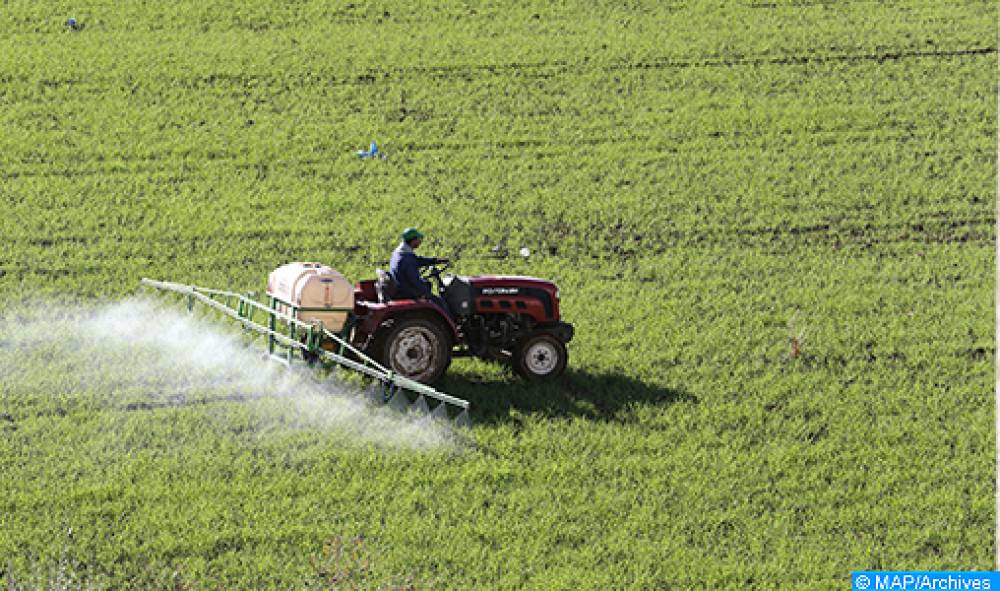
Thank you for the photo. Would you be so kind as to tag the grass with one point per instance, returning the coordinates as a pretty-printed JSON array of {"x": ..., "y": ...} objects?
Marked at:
[{"x": 772, "y": 225}]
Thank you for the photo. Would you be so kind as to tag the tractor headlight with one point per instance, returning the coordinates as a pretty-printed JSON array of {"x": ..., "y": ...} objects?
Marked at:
[{"x": 557, "y": 294}]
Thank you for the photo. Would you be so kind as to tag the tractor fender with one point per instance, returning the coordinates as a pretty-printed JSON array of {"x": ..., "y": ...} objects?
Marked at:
[
  {"x": 429, "y": 312},
  {"x": 381, "y": 316}
]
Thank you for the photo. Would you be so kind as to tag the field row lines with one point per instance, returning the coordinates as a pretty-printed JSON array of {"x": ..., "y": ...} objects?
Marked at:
[{"x": 544, "y": 69}]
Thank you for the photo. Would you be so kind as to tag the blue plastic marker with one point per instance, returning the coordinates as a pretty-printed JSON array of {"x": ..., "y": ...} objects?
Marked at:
[{"x": 371, "y": 152}]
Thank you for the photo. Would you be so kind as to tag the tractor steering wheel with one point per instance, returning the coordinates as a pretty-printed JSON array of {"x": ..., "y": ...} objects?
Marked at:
[{"x": 434, "y": 271}]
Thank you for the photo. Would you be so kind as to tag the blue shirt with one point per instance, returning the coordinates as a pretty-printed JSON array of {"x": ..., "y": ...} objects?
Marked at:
[{"x": 405, "y": 270}]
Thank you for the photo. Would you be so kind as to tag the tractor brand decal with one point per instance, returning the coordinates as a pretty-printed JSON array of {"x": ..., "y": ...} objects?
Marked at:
[{"x": 500, "y": 291}]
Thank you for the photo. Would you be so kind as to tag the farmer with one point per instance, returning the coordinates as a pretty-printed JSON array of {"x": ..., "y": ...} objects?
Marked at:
[{"x": 405, "y": 270}]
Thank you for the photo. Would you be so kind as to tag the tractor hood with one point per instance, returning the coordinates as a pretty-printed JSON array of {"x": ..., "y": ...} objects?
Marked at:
[
  {"x": 502, "y": 293},
  {"x": 499, "y": 282}
]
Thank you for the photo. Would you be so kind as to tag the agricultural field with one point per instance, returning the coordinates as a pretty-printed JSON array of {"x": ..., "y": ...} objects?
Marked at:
[{"x": 772, "y": 224}]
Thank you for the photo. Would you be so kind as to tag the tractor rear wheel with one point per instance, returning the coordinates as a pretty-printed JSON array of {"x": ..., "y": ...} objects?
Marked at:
[
  {"x": 416, "y": 348},
  {"x": 540, "y": 357}
]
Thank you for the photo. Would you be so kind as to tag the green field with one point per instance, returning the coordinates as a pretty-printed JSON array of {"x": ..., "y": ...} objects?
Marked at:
[{"x": 772, "y": 224}]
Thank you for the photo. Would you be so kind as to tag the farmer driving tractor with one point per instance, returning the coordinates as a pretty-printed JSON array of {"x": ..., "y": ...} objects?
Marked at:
[{"x": 405, "y": 270}]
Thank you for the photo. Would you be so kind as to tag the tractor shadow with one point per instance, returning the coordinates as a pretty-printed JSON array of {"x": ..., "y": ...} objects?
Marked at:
[{"x": 604, "y": 397}]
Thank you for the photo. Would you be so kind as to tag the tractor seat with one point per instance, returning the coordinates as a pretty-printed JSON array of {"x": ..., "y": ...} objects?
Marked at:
[{"x": 385, "y": 286}]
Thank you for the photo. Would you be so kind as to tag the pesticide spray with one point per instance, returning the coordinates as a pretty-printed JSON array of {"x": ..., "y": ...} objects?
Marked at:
[{"x": 136, "y": 355}]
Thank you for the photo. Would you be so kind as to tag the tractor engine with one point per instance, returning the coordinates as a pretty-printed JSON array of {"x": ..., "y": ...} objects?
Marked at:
[{"x": 489, "y": 336}]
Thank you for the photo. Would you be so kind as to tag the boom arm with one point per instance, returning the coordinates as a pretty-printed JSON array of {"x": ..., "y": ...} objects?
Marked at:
[{"x": 242, "y": 308}]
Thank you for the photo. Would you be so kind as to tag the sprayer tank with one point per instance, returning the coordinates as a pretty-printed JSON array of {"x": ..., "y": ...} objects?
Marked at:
[{"x": 312, "y": 292}]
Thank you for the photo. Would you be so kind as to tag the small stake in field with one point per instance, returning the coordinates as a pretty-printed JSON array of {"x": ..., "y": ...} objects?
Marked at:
[{"x": 796, "y": 336}]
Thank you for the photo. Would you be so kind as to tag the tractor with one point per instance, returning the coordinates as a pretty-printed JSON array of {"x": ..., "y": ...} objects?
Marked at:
[
  {"x": 402, "y": 344},
  {"x": 508, "y": 319}
]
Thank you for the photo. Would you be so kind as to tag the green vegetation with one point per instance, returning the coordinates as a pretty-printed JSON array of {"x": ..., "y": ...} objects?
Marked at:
[{"x": 772, "y": 224}]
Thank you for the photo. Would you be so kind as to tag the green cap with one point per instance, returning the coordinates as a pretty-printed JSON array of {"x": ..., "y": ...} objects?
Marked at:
[{"x": 411, "y": 233}]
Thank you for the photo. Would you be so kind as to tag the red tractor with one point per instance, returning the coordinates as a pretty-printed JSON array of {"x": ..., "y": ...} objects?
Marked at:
[{"x": 499, "y": 318}]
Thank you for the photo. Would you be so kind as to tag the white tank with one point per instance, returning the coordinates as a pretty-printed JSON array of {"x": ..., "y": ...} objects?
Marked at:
[{"x": 326, "y": 294}]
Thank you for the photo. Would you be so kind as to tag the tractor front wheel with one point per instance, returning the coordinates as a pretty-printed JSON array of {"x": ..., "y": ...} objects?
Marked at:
[
  {"x": 417, "y": 348},
  {"x": 540, "y": 357}
]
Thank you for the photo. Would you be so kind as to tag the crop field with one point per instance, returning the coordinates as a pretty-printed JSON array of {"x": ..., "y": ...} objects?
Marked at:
[{"x": 772, "y": 223}]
